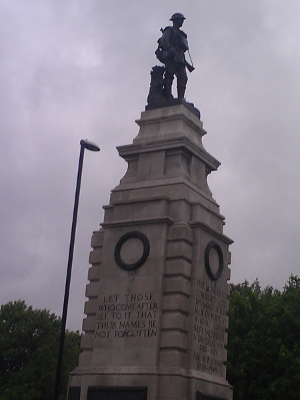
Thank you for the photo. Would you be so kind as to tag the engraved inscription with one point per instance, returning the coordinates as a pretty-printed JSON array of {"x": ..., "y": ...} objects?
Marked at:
[
  {"x": 209, "y": 328},
  {"x": 129, "y": 315}
]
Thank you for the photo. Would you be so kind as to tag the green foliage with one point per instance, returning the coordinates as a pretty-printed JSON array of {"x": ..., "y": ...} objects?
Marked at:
[
  {"x": 28, "y": 353},
  {"x": 264, "y": 341}
]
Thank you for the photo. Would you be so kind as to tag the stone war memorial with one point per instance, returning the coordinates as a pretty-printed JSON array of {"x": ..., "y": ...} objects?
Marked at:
[{"x": 156, "y": 314}]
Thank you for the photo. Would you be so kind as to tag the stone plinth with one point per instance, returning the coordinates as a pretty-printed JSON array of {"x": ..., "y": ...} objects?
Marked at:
[{"x": 155, "y": 325}]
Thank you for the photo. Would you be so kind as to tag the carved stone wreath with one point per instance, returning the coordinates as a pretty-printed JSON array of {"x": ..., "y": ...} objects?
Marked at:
[
  {"x": 143, "y": 258},
  {"x": 211, "y": 274}
]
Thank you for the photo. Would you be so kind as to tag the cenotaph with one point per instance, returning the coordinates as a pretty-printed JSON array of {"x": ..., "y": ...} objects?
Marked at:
[{"x": 155, "y": 326}]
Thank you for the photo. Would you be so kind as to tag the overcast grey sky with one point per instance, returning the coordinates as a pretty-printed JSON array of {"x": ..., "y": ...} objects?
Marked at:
[{"x": 73, "y": 70}]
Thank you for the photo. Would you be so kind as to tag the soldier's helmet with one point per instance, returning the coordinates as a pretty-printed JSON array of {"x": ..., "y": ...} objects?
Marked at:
[{"x": 177, "y": 16}]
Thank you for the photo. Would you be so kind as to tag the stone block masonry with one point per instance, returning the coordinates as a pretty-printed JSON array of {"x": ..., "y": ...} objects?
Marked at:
[{"x": 156, "y": 314}]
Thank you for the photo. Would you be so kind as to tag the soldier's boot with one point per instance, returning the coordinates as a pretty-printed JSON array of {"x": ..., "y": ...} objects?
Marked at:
[
  {"x": 168, "y": 87},
  {"x": 181, "y": 92},
  {"x": 168, "y": 91}
]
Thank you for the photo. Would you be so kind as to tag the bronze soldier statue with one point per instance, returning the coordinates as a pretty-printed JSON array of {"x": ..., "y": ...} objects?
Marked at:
[{"x": 171, "y": 48}]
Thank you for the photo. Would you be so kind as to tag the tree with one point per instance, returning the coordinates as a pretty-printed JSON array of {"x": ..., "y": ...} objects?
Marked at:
[
  {"x": 264, "y": 341},
  {"x": 28, "y": 353}
]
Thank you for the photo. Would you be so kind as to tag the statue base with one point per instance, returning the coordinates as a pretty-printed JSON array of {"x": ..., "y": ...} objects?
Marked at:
[
  {"x": 163, "y": 102},
  {"x": 157, "y": 97},
  {"x": 156, "y": 314}
]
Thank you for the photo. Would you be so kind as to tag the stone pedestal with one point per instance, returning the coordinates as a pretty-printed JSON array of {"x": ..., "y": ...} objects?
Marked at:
[{"x": 155, "y": 325}]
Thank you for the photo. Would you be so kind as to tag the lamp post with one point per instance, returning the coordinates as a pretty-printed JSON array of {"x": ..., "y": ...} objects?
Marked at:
[{"x": 84, "y": 144}]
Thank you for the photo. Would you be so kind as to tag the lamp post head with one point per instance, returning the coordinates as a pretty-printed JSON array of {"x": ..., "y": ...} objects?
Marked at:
[{"x": 89, "y": 145}]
